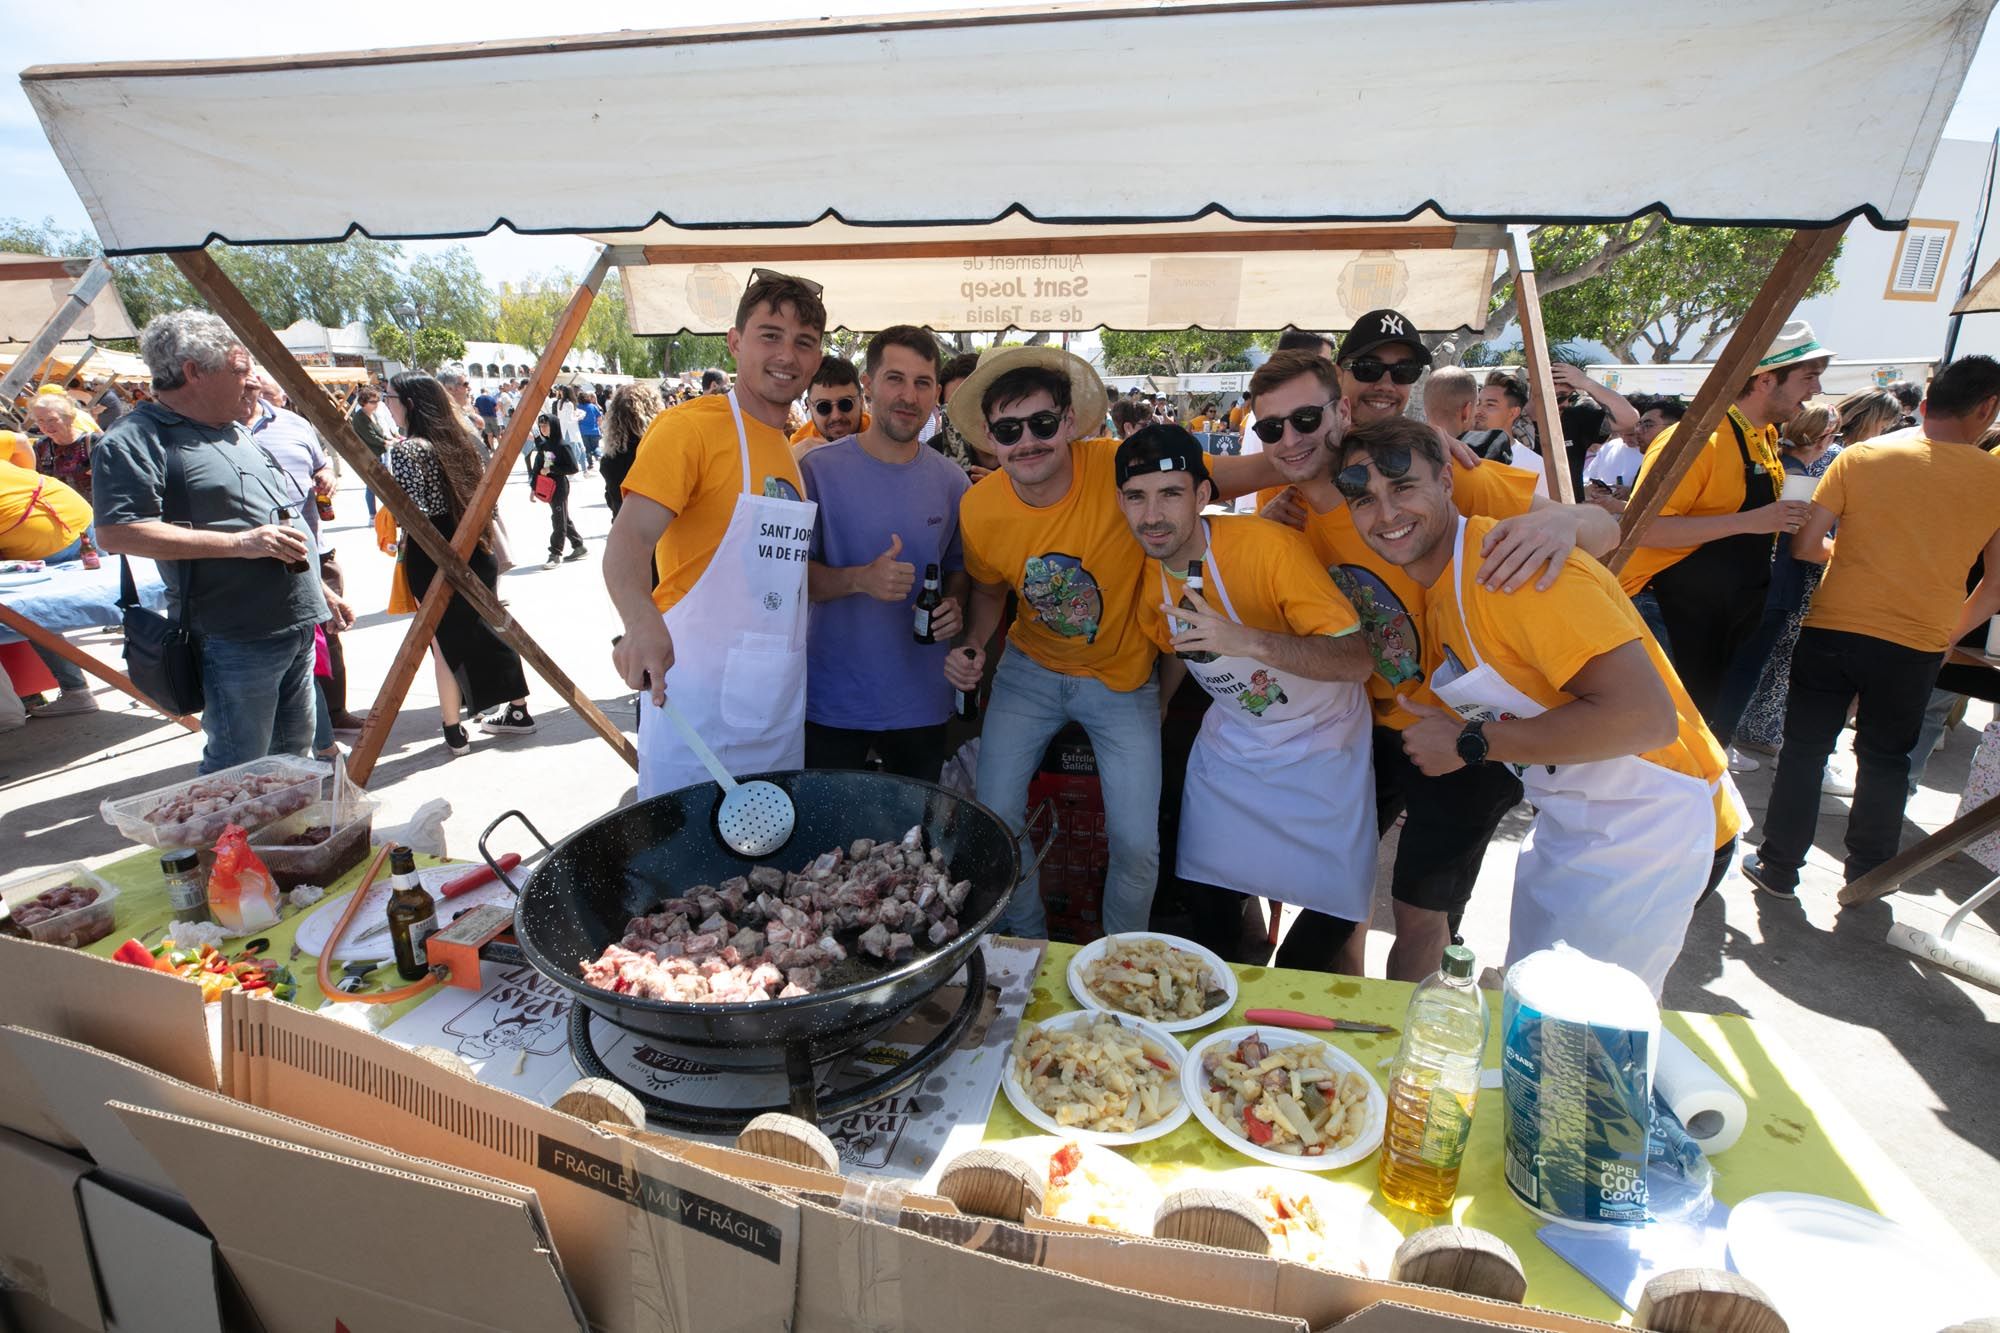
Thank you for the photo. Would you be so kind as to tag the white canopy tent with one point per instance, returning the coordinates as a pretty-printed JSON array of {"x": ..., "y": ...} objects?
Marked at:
[{"x": 33, "y": 289}]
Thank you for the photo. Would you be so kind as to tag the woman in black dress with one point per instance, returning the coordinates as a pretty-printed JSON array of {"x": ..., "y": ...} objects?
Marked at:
[{"x": 437, "y": 462}]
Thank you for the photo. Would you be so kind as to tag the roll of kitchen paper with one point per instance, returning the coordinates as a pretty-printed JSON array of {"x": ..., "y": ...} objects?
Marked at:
[{"x": 1712, "y": 1111}]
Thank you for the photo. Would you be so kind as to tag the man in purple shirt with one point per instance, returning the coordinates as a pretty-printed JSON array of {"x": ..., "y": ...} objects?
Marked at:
[{"x": 888, "y": 507}]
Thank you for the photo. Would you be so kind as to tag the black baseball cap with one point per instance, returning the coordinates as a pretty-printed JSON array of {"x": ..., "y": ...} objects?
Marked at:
[
  {"x": 1379, "y": 328},
  {"x": 1161, "y": 448}
]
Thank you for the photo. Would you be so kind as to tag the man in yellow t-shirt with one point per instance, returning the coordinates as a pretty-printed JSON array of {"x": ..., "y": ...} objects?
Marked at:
[
  {"x": 834, "y": 408},
  {"x": 714, "y": 499},
  {"x": 1915, "y": 511},
  {"x": 1703, "y": 565},
  {"x": 1634, "y": 816},
  {"x": 1448, "y": 821},
  {"x": 1281, "y": 763},
  {"x": 1048, "y": 526}
]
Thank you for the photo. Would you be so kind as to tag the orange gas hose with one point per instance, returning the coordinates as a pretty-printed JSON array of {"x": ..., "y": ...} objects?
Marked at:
[{"x": 326, "y": 986}]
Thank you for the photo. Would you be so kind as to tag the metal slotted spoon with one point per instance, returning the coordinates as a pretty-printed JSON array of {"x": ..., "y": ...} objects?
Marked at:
[{"x": 755, "y": 817}]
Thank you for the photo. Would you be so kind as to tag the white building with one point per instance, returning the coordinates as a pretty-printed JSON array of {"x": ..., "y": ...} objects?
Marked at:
[
  {"x": 510, "y": 361},
  {"x": 316, "y": 345}
]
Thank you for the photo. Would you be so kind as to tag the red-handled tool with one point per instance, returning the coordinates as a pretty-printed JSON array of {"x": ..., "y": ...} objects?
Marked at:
[
  {"x": 1292, "y": 1018},
  {"x": 477, "y": 876}
]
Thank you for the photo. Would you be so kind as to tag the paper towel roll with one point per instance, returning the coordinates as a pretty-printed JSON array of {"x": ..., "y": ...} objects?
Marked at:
[{"x": 1713, "y": 1112}]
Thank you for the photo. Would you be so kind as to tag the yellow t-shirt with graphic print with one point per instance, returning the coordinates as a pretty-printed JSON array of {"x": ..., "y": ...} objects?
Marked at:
[
  {"x": 689, "y": 461},
  {"x": 1074, "y": 564},
  {"x": 1538, "y": 641}
]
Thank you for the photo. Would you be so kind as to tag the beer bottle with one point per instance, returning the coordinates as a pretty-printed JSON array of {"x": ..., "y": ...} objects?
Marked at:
[
  {"x": 323, "y": 498},
  {"x": 927, "y": 603},
  {"x": 412, "y": 915},
  {"x": 1193, "y": 586},
  {"x": 967, "y": 701}
]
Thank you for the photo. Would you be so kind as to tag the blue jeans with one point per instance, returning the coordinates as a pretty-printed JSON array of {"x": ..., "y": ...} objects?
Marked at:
[
  {"x": 1028, "y": 707},
  {"x": 1648, "y": 604},
  {"x": 259, "y": 697}
]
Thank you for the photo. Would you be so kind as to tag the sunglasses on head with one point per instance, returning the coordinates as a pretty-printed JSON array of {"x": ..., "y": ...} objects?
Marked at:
[
  {"x": 758, "y": 275},
  {"x": 1007, "y": 430},
  {"x": 826, "y": 406},
  {"x": 1305, "y": 420},
  {"x": 1392, "y": 462},
  {"x": 1369, "y": 369}
]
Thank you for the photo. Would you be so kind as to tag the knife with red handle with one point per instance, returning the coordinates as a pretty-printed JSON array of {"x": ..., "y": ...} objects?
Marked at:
[
  {"x": 477, "y": 876},
  {"x": 1292, "y": 1018}
]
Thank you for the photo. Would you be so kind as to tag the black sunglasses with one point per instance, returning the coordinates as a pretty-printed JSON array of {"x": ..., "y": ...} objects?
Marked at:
[
  {"x": 1369, "y": 369},
  {"x": 825, "y": 406},
  {"x": 1007, "y": 430},
  {"x": 758, "y": 275},
  {"x": 1305, "y": 420},
  {"x": 1392, "y": 461}
]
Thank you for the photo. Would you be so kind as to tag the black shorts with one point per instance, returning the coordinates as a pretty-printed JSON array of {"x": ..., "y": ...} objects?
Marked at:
[
  {"x": 1448, "y": 821},
  {"x": 911, "y": 752}
]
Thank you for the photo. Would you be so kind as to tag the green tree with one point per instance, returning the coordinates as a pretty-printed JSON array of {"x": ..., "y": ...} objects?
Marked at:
[
  {"x": 21, "y": 237},
  {"x": 528, "y": 313},
  {"x": 697, "y": 351},
  {"x": 436, "y": 345},
  {"x": 1180, "y": 352},
  {"x": 1685, "y": 285},
  {"x": 450, "y": 291}
]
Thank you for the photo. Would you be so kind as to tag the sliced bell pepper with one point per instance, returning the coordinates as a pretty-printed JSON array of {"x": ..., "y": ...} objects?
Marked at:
[
  {"x": 1258, "y": 1131},
  {"x": 132, "y": 951}
]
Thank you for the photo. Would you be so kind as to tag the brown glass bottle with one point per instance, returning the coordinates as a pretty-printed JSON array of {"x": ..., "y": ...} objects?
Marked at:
[
  {"x": 927, "y": 605},
  {"x": 412, "y": 915},
  {"x": 1194, "y": 585}
]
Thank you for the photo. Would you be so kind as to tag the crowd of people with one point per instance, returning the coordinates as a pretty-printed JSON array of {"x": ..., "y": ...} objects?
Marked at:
[{"x": 824, "y": 563}]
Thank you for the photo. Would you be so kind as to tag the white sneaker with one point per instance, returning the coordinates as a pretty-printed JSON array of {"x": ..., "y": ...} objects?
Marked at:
[
  {"x": 1836, "y": 783},
  {"x": 1740, "y": 762},
  {"x": 551, "y": 564},
  {"x": 67, "y": 704}
]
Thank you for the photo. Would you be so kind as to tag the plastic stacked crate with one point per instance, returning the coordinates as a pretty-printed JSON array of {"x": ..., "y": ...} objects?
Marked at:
[{"x": 1073, "y": 872}]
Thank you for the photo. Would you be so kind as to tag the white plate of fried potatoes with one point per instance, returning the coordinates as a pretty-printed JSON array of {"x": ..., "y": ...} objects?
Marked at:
[
  {"x": 1097, "y": 1078},
  {"x": 1316, "y": 1108},
  {"x": 1162, "y": 979}
]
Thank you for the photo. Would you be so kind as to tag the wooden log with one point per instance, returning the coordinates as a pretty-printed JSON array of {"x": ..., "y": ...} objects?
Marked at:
[
  {"x": 988, "y": 1182},
  {"x": 1208, "y": 1215},
  {"x": 69, "y": 652},
  {"x": 1706, "y": 1300},
  {"x": 1461, "y": 1259},
  {"x": 1886, "y": 878},
  {"x": 786, "y": 1138},
  {"x": 602, "y": 1101},
  {"x": 223, "y": 297},
  {"x": 1801, "y": 262},
  {"x": 417, "y": 639},
  {"x": 1541, "y": 382}
]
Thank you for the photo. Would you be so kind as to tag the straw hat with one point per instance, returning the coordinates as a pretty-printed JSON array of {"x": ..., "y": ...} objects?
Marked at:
[
  {"x": 1086, "y": 392},
  {"x": 1795, "y": 346}
]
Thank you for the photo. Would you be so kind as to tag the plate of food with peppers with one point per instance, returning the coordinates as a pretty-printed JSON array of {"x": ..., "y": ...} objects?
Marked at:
[
  {"x": 1097, "y": 1077},
  {"x": 213, "y": 970},
  {"x": 1284, "y": 1097}
]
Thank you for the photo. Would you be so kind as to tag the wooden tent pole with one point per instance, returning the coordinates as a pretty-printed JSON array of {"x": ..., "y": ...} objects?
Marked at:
[
  {"x": 223, "y": 297},
  {"x": 74, "y": 655},
  {"x": 1541, "y": 384},
  {"x": 76, "y": 367},
  {"x": 38, "y": 353},
  {"x": 1803, "y": 258},
  {"x": 403, "y": 668}
]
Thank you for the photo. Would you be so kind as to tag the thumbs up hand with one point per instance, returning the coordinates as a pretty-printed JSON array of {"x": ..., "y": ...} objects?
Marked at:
[{"x": 885, "y": 578}]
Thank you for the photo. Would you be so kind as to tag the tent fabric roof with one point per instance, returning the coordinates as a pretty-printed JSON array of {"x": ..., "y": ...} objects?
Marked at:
[
  {"x": 1211, "y": 273},
  {"x": 1743, "y": 111},
  {"x": 33, "y": 287},
  {"x": 1984, "y": 298}
]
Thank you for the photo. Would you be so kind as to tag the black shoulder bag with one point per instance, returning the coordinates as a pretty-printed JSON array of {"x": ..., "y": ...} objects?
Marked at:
[{"x": 162, "y": 654}]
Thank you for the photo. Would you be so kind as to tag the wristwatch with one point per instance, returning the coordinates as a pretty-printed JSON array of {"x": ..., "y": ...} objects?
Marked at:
[{"x": 1472, "y": 742}]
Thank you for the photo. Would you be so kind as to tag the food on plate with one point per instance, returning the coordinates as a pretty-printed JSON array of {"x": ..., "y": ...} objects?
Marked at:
[
  {"x": 212, "y": 969},
  {"x": 1153, "y": 980},
  {"x": 1078, "y": 1192},
  {"x": 242, "y": 896},
  {"x": 772, "y": 935},
  {"x": 1287, "y": 1099},
  {"x": 195, "y": 815},
  {"x": 1294, "y": 1224},
  {"x": 1105, "y": 1078},
  {"x": 59, "y": 901}
]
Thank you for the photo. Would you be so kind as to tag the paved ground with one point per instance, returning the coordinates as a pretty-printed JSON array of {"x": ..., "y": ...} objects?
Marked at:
[{"x": 1912, "y": 1053}]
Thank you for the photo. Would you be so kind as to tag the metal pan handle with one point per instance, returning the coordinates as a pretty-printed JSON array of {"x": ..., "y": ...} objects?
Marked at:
[
  {"x": 1047, "y": 807},
  {"x": 493, "y": 864}
]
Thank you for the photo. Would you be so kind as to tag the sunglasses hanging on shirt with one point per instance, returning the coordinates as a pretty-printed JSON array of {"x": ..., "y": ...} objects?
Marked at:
[
  {"x": 1392, "y": 461},
  {"x": 1305, "y": 420},
  {"x": 1007, "y": 430},
  {"x": 1368, "y": 370}
]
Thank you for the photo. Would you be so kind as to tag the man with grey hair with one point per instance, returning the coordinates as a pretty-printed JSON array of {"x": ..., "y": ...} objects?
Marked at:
[{"x": 180, "y": 481}]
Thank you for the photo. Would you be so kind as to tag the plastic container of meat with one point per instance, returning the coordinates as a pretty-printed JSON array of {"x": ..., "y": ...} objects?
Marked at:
[
  {"x": 321, "y": 863},
  {"x": 73, "y": 928},
  {"x": 194, "y": 813}
]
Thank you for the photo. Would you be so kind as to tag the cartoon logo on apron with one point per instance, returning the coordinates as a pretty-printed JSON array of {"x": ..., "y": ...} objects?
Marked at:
[
  {"x": 777, "y": 488},
  {"x": 1265, "y": 691},
  {"x": 1392, "y": 636},
  {"x": 1063, "y": 594}
]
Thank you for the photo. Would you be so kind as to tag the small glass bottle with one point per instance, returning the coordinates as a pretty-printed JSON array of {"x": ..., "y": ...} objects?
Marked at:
[
  {"x": 1194, "y": 585},
  {"x": 187, "y": 887},
  {"x": 323, "y": 499},
  {"x": 88, "y": 555},
  {"x": 927, "y": 604},
  {"x": 412, "y": 915},
  {"x": 966, "y": 702}
]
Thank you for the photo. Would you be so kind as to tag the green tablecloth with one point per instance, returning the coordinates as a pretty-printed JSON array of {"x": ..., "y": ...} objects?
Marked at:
[
  {"x": 142, "y": 908},
  {"x": 1788, "y": 1144}
]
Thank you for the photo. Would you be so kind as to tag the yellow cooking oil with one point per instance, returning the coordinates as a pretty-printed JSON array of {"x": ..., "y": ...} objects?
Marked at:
[{"x": 1434, "y": 1087}]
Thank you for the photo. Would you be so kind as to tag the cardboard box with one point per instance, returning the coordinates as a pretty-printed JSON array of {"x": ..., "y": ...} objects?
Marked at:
[
  {"x": 155, "y": 1019},
  {"x": 44, "y": 1253},
  {"x": 366, "y": 1247},
  {"x": 156, "y": 1266},
  {"x": 19, "y": 1314},
  {"x": 650, "y": 1240}
]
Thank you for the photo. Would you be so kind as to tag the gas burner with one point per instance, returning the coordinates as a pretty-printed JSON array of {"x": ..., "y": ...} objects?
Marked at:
[{"x": 729, "y": 1099}]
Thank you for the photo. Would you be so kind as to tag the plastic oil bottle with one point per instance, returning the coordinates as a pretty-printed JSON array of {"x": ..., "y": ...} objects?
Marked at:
[{"x": 1433, "y": 1087}]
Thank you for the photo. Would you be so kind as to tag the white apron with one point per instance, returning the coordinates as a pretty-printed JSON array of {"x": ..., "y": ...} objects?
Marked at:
[
  {"x": 739, "y": 672},
  {"x": 1620, "y": 848},
  {"x": 1280, "y": 794}
]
